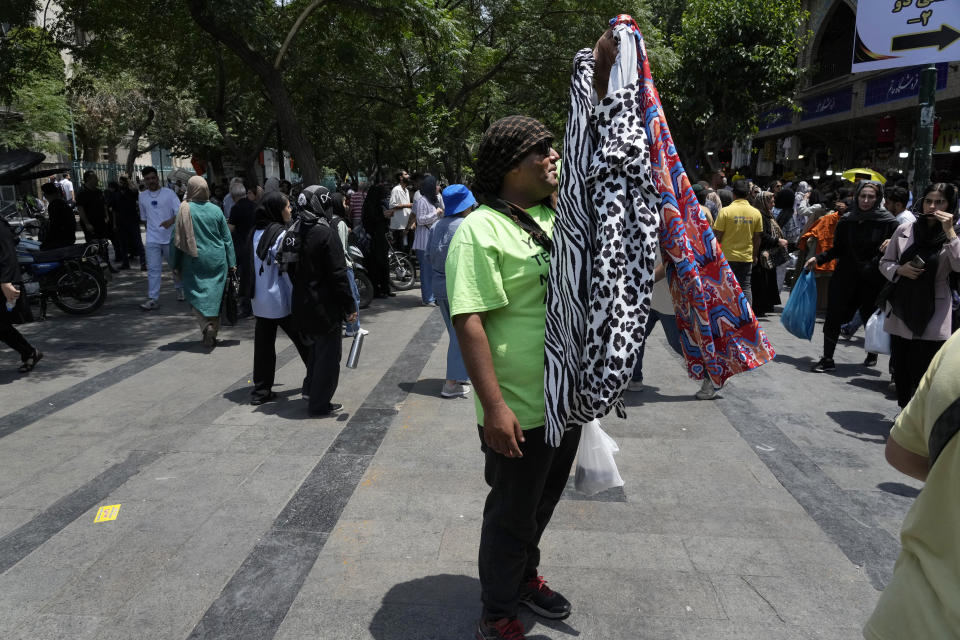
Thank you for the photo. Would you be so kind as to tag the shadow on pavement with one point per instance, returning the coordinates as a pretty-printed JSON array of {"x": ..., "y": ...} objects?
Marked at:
[
  {"x": 880, "y": 386},
  {"x": 864, "y": 423},
  {"x": 899, "y": 489},
  {"x": 803, "y": 364},
  {"x": 650, "y": 395},
  {"x": 429, "y": 387},
  {"x": 196, "y": 346},
  {"x": 440, "y": 607}
]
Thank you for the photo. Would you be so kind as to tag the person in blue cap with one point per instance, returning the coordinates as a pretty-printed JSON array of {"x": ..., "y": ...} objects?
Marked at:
[{"x": 459, "y": 202}]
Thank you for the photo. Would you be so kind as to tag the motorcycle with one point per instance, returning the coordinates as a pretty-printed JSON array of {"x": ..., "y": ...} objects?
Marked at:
[
  {"x": 403, "y": 273},
  {"x": 73, "y": 278},
  {"x": 362, "y": 278}
]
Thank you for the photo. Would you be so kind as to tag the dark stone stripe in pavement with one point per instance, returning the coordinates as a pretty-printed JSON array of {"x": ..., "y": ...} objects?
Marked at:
[
  {"x": 216, "y": 406},
  {"x": 13, "y": 422},
  {"x": 20, "y": 542},
  {"x": 834, "y": 509},
  {"x": 256, "y": 599}
]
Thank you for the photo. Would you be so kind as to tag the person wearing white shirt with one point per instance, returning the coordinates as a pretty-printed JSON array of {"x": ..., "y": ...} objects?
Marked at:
[
  {"x": 67, "y": 187},
  {"x": 400, "y": 203},
  {"x": 158, "y": 207}
]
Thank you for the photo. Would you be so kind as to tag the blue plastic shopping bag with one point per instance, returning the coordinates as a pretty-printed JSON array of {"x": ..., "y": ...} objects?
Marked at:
[{"x": 800, "y": 314}]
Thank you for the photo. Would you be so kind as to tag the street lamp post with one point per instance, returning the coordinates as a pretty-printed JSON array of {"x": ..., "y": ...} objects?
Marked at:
[{"x": 923, "y": 152}]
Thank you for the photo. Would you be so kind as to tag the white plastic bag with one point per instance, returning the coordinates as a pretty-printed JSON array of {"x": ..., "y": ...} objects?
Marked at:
[
  {"x": 876, "y": 340},
  {"x": 596, "y": 469}
]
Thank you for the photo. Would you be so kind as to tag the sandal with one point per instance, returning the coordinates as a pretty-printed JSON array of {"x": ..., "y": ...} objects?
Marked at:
[
  {"x": 30, "y": 362},
  {"x": 208, "y": 340}
]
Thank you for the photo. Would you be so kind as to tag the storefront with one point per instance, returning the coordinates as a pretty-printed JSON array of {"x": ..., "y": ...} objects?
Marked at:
[{"x": 870, "y": 121}]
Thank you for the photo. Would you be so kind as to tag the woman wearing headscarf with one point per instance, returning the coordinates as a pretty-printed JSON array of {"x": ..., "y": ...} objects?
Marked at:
[
  {"x": 428, "y": 209},
  {"x": 818, "y": 237},
  {"x": 376, "y": 222},
  {"x": 766, "y": 291},
  {"x": 201, "y": 254},
  {"x": 857, "y": 280},
  {"x": 271, "y": 185},
  {"x": 336, "y": 215},
  {"x": 800, "y": 208},
  {"x": 270, "y": 292},
  {"x": 784, "y": 214},
  {"x": 919, "y": 261}
]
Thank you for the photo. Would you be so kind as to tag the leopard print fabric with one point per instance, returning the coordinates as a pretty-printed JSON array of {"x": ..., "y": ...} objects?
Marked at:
[{"x": 605, "y": 239}]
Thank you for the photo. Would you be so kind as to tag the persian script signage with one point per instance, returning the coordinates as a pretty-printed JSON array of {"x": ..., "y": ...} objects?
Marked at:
[
  {"x": 899, "y": 85},
  {"x": 827, "y": 104}
]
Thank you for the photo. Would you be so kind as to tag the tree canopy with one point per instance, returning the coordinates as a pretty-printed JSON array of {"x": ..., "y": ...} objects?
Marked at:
[{"x": 359, "y": 85}]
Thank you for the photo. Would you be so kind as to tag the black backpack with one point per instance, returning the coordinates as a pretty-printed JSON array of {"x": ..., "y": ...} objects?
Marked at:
[{"x": 291, "y": 251}]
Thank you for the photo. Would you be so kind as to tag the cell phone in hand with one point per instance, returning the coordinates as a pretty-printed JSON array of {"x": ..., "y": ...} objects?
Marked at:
[{"x": 917, "y": 262}]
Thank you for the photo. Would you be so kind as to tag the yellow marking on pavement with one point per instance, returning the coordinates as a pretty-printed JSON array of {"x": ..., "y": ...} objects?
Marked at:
[
  {"x": 370, "y": 479},
  {"x": 107, "y": 513}
]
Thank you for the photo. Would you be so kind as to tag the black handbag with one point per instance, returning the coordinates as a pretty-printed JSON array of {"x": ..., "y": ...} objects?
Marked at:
[{"x": 231, "y": 298}]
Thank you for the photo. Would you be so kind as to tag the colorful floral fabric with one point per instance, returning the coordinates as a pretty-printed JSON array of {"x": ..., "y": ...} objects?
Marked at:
[{"x": 719, "y": 333}]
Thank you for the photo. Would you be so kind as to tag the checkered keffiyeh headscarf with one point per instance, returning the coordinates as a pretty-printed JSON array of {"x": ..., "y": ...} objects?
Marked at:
[{"x": 504, "y": 144}]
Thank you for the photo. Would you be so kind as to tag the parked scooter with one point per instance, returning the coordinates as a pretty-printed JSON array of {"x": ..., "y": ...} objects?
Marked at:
[
  {"x": 362, "y": 278},
  {"x": 73, "y": 278}
]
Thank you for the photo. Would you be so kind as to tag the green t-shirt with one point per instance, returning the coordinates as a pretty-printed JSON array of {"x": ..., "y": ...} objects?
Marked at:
[
  {"x": 922, "y": 599},
  {"x": 738, "y": 222},
  {"x": 495, "y": 266}
]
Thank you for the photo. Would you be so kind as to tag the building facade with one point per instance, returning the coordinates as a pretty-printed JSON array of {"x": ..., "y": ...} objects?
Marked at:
[{"x": 855, "y": 120}]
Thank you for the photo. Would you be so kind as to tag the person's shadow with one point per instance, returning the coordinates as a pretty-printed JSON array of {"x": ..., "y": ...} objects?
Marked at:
[{"x": 439, "y": 607}]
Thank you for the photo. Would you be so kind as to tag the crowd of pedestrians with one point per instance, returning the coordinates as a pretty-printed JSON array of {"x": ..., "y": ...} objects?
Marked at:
[{"x": 872, "y": 248}]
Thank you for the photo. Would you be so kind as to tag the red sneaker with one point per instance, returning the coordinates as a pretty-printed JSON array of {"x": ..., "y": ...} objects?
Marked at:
[
  {"x": 502, "y": 629},
  {"x": 543, "y": 600}
]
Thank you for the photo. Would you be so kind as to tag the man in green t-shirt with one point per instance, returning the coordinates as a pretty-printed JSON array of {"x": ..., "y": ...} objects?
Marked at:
[
  {"x": 497, "y": 270},
  {"x": 738, "y": 228}
]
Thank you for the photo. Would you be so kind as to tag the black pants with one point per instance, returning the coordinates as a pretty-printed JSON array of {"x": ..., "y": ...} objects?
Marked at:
[
  {"x": 742, "y": 271},
  {"x": 13, "y": 338},
  {"x": 323, "y": 369},
  {"x": 379, "y": 268},
  {"x": 523, "y": 494},
  {"x": 910, "y": 360},
  {"x": 846, "y": 298},
  {"x": 128, "y": 242},
  {"x": 265, "y": 352}
]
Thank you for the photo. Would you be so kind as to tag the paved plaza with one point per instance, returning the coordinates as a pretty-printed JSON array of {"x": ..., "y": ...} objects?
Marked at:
[{"x": 767, "y": 514}]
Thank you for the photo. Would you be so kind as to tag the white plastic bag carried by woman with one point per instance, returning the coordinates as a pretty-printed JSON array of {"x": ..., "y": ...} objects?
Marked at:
[{"x": 876, "y": 340}]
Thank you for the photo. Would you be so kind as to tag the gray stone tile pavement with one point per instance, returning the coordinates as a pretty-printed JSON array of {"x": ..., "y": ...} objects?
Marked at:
[{"x": 710, "y": 542}]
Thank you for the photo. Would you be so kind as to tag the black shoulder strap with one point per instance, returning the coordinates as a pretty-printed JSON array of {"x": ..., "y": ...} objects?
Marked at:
[
  {"x": 944, "y": 429},
  {"x": 268, "y": 239},
  {"x": 521, "y": 217}
]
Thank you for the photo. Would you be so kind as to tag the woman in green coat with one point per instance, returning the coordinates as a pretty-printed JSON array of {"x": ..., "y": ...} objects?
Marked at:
[{"x": 201, "y": 255}]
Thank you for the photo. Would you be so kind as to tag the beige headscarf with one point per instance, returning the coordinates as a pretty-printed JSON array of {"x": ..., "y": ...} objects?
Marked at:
[{"x": 197, "y": 191}]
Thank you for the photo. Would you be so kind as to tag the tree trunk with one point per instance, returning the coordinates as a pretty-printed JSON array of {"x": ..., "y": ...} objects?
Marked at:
[
  {"x": 296, "y": 142},
  {"x": 134, "y": 145}
]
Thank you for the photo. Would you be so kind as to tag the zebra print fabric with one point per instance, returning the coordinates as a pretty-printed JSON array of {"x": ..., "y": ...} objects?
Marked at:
[{"x": 601, "y": 270}]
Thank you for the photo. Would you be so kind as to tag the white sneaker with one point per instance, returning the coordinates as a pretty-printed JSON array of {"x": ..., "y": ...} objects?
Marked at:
[
  {"x": 180, "y": 294},
  {"x": 635, "y": 385},
  {"x": 150, "y": 305},
  {"x": 455, "y": 390},
  {"x": 707, "y": 392}
]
